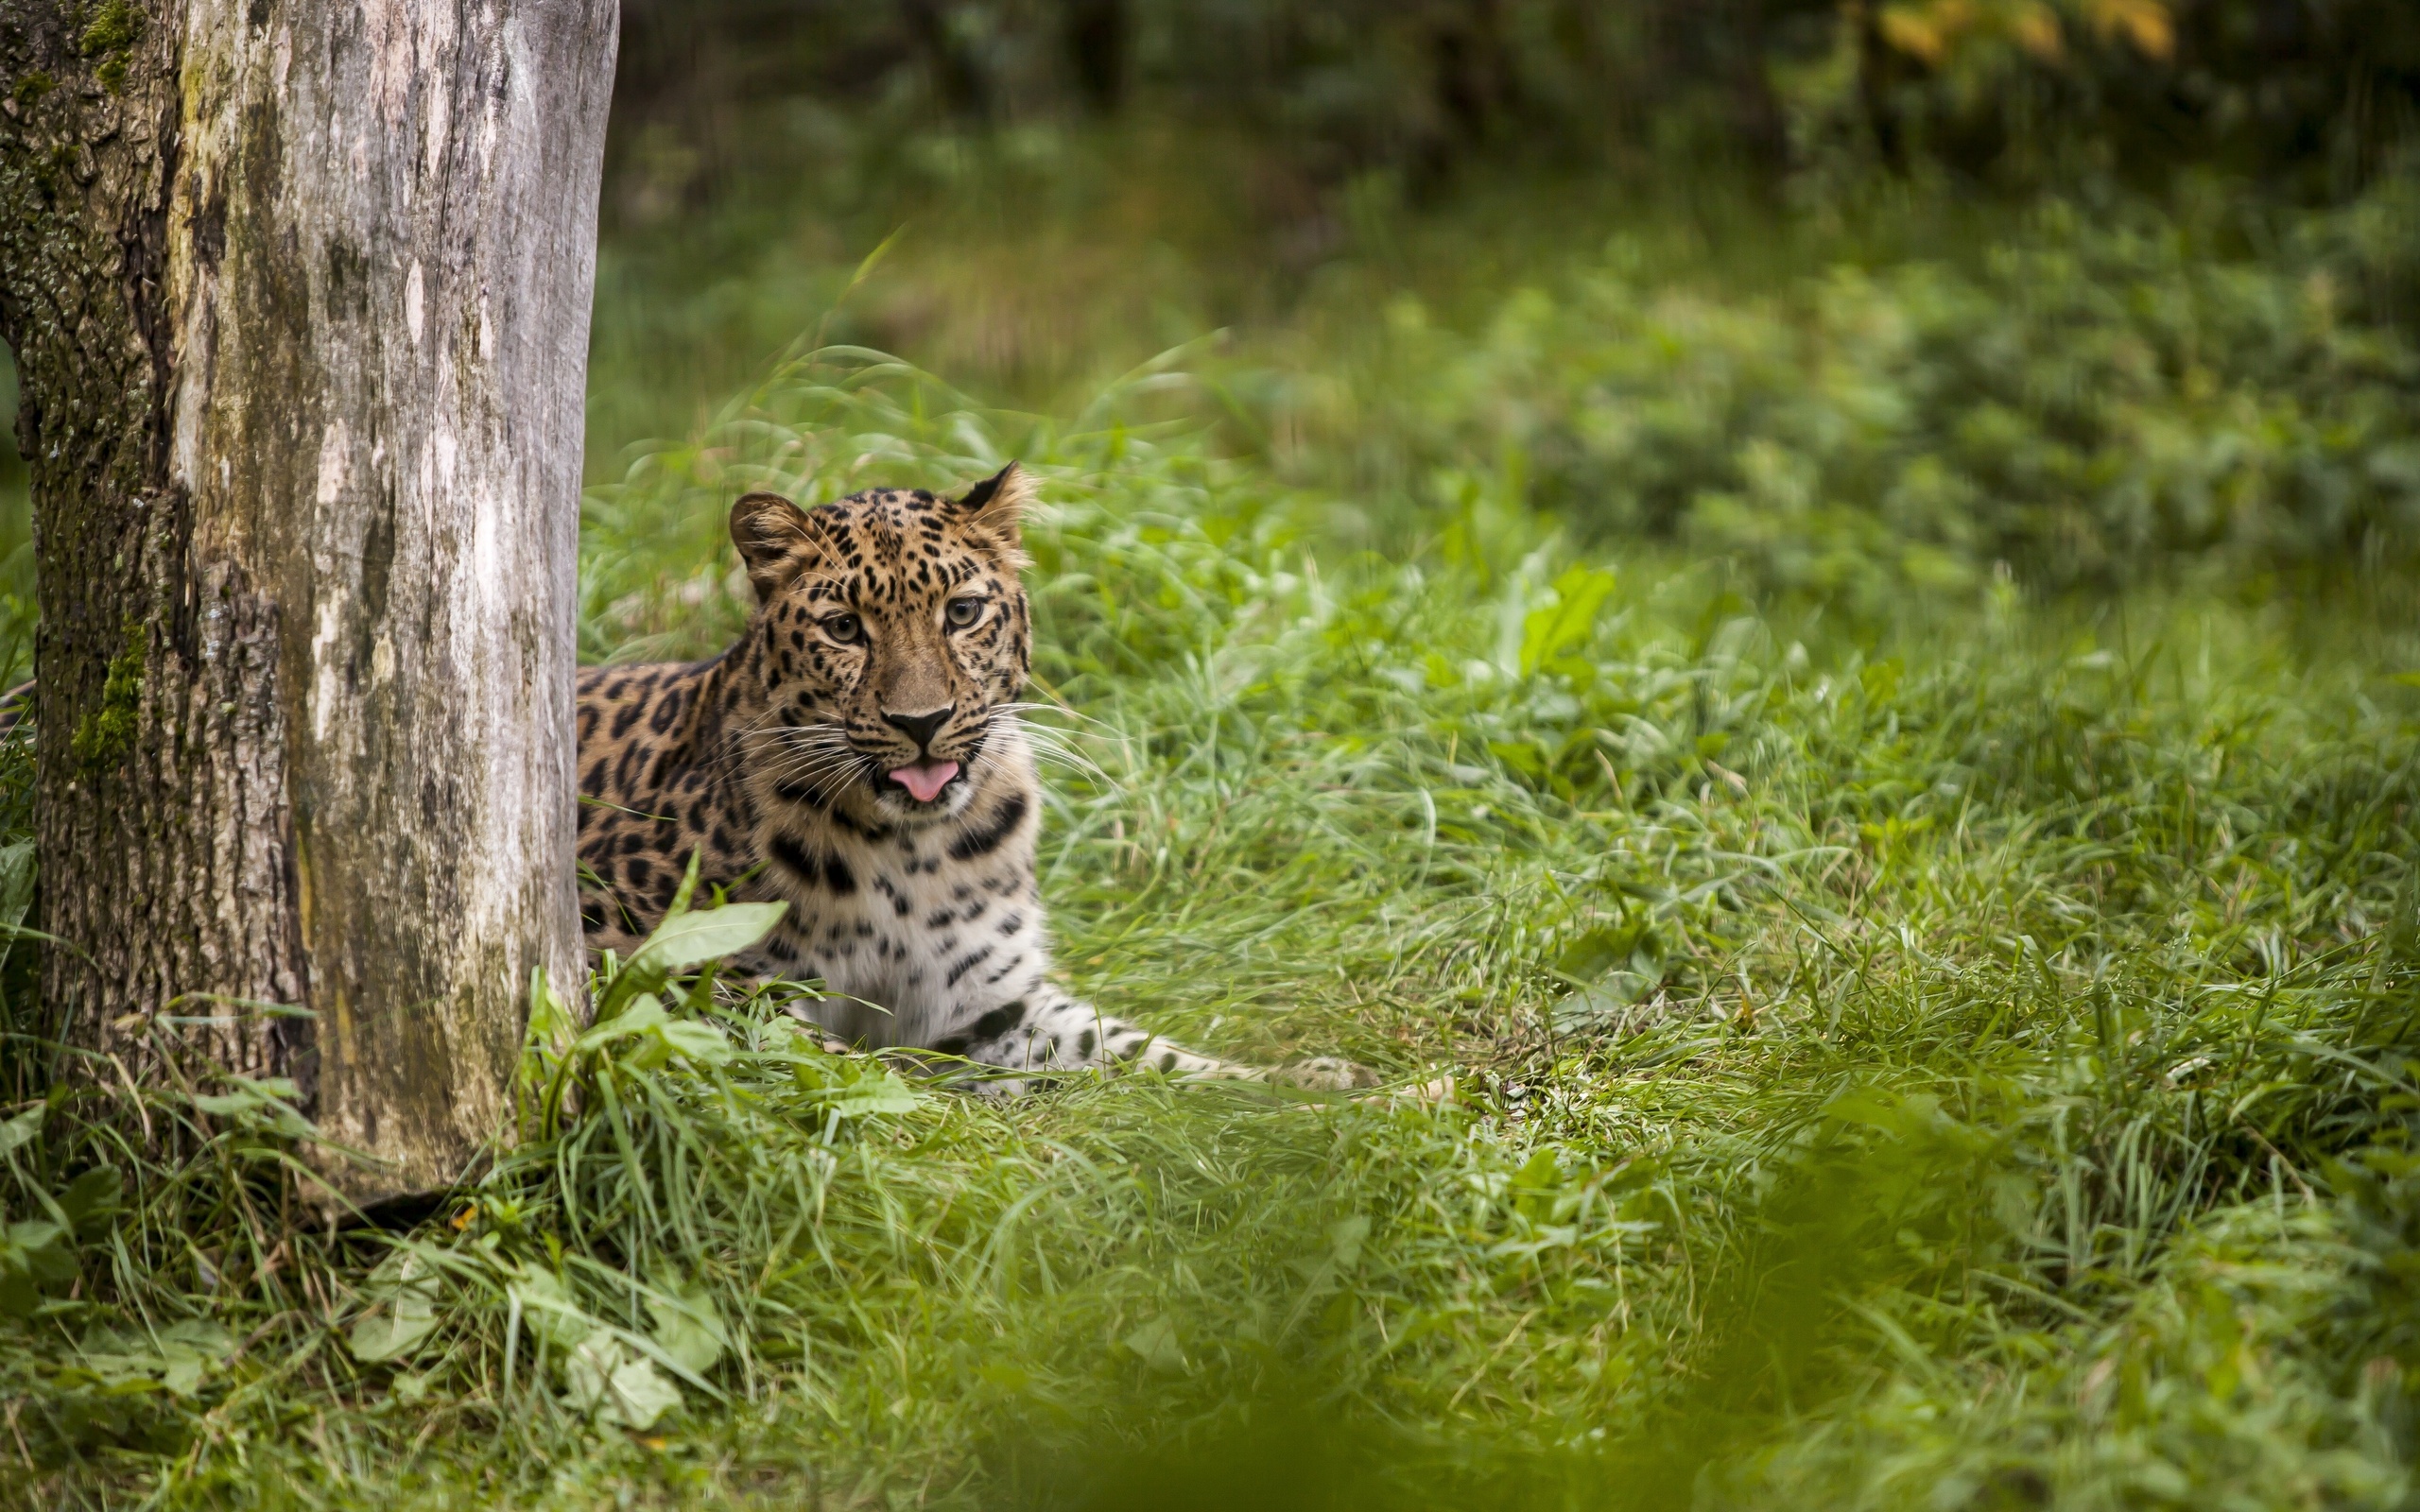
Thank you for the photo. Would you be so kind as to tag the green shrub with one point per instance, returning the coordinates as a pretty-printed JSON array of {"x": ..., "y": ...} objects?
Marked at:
[{"x": 2099, "y": 394}]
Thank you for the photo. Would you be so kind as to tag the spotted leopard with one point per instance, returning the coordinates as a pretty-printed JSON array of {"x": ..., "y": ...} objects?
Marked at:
[{"x": 857, "y": 754}]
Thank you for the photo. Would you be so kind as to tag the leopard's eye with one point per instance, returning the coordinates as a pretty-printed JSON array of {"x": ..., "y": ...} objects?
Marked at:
[
  {"x": 845, "y": 629},
  {"x": 962, "y": 612}
]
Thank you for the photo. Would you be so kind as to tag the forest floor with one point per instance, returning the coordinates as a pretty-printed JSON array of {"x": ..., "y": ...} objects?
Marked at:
[{"x": 1918, "y": 1037}]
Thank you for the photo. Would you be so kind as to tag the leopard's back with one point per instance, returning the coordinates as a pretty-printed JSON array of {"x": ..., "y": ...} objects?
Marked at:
[{"x": 645, "y": 804}]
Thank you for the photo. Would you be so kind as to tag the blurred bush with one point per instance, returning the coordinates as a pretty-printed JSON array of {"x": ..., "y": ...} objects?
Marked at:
[
  {"x": 2310, "y": 94},
  {"x": 2098, "y": 390},
  {"x": 2180, "y": 323}
]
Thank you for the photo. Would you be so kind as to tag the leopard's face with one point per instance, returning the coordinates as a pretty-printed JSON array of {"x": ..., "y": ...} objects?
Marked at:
[{"x": 895, "y": 641}]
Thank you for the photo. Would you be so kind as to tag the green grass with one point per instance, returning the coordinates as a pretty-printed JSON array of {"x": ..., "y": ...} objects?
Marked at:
[{"x": 1950, "y": 1046}]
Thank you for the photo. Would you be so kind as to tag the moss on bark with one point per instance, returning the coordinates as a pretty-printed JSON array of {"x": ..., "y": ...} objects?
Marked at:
[{"x": 105, "y": 735}]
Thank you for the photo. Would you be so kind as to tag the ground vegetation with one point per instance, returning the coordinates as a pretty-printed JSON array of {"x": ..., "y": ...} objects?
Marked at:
[{"x": 1873, "y": 736}]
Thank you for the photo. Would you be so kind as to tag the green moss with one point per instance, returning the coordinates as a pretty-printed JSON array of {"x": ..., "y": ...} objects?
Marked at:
[
  {"x": 103, "y": 736},
  {"x": 112, "y": 29},
  {"x": 110, "y": 36},
  {"x": 33, "y": 87}
]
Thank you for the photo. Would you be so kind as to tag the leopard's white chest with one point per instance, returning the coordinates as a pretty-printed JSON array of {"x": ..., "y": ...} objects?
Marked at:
[{"x": 912, "y": 942}]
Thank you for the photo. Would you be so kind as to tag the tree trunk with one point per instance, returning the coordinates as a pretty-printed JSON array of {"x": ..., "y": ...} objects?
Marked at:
[{"x": 300, "y": 295}]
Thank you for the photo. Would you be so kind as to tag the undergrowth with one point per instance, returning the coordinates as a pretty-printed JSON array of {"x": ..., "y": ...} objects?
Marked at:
[{"x": 1950, "y": 1049}]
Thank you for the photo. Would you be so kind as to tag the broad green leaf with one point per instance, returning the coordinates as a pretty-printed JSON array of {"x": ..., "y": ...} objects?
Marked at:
[
  {"x": 388, "y": 1335},
  {"x": 688, "y": 1331},
  {"x": 1156, "y": 1346},
  {"x": 547, "y": 1307},
  {"x": 404, "y": 1314},
  {"x": 695, "y": 1042},
  {"x": 638, "y": 1396},
  {"x": 187, "y": 1350},
  {"x": 1606, "y": 1005},
  {"x": 610, "y": 1382},
  {"x": 645, "y": 1012},
  {"x": 32, "y": 1233},
  {"x": 31, "y": 1256},
  {"x": 683, "y": 940},
  {"x": 588, "y": 1367},
  {"x": 1565, "y": 624},
  {"x": 1541, "y": 1172},
  {"x": 1344, "y": 1238},
  {"x": 880, "y": 1093},
  {"x": 177, "y": 1357},
  {"x": 91, "y": 1197},
  {"x": 1613, "y": 968},
  {"x": 693, "y": 940},
  {"x": 18, "y": 1130}
]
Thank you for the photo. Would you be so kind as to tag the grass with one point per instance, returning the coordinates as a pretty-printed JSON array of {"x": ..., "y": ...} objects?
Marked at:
[{"x": 1947, "y": 1047}]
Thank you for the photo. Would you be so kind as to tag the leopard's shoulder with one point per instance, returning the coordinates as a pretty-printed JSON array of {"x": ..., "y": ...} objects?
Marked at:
[{"x": 649, "y": 795}]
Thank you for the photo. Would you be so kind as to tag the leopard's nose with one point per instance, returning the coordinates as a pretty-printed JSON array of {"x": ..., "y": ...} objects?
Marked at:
[{"x": 920, "y": 728}]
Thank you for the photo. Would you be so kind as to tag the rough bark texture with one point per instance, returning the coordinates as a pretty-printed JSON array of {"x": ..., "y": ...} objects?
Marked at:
[{"x": 300, "y": 294}]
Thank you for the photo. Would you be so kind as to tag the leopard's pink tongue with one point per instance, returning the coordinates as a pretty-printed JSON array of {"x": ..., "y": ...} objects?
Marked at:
[{"x": 925, "y": 782}]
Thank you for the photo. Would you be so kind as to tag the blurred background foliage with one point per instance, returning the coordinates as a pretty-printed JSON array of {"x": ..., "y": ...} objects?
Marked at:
[
  {"x": 1860, "y": 296},
  {"x": 2305, "y": 94}
]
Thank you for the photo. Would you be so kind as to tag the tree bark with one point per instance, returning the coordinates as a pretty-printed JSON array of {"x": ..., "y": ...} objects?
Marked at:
[{"x": 299, "y": 297}]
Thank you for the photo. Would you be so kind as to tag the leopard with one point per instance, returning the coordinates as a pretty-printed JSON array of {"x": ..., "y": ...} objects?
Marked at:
[{"x": 860, "y": 753}]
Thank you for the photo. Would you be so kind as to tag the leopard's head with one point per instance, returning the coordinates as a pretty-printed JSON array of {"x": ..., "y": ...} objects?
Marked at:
[{"x": 895, "y": 641}]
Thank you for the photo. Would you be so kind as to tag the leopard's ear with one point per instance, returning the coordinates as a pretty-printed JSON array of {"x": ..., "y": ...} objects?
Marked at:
[
  {"x": 999, "y": 501},
  {"x": 772, "y": 537}
]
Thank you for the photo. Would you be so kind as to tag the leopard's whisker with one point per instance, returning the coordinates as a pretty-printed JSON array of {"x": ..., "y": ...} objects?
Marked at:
[
  {"x": 731, "y": 748},
  {"x": 815, "y": 764},
  {"x": 1051, "y": 746},
  {"x": 1024, "y": 707}
]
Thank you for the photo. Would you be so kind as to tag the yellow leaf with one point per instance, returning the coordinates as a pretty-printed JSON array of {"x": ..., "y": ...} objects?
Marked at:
[
  {"x": 2146, "y": 23},
  {"x": 2037, "y": 29},
  {"x": 1913, "y": 31}
]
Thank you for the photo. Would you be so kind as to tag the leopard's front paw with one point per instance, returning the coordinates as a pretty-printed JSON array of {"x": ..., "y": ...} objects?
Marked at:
[{"x": 1324, "y": 1074}]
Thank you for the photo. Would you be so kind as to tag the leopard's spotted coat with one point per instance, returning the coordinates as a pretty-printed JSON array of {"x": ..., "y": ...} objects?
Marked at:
[{"x": 892, "y": 634}]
